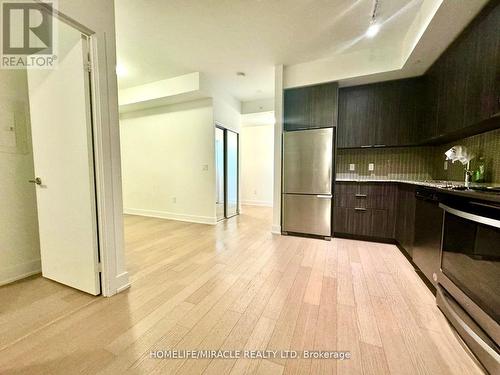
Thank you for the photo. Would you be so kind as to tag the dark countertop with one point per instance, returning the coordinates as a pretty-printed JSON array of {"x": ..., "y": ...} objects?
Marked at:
[{"x": 441, "y": 187}]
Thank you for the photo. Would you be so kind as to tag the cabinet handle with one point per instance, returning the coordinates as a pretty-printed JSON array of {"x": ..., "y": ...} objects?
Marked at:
[
  {"x": 360, "y": 209},
  {"x": 378, "y": 145},
  {"x": 361, "y": 195},
  {"x": 366, "y": 146}
]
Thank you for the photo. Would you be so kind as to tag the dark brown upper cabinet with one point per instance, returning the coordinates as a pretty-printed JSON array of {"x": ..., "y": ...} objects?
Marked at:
[
  {"x": 463, "y": 85},
  {"x": 381, "y": 114},
  {"x": 310, "y": 107},
  {"x": 459, "y": 95}
]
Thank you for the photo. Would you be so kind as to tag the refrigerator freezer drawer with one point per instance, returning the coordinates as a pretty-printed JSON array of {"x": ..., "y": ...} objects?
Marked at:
[
  {"x": 308, "y": 214},
  {"x": 307, "y": 161}
]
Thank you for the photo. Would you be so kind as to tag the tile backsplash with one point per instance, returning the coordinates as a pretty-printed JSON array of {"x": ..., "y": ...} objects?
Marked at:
[{"x": 420, "y": 163}]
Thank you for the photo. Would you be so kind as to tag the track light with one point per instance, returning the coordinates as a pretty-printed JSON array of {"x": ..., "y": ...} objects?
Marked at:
[
  {"x": 372, "y": 30},
  {"x": 374, "y": 27}
]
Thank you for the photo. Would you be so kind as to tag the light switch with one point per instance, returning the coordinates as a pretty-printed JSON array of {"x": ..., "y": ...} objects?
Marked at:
[
  {"x": 371, "y": 166},
  {"x": 352, "y": 167}
]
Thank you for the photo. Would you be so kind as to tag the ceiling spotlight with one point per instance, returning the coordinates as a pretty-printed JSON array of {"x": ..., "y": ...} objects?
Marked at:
[
  {"x": 372, "y": 30},
  {"x": 374, "y": 27},
  {"x": 240, "y": 74},
  {"x": 121, "y": 71}
]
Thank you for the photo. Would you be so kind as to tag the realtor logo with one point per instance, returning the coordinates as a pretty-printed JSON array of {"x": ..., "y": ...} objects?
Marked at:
[{"x": 27, "y": 34}]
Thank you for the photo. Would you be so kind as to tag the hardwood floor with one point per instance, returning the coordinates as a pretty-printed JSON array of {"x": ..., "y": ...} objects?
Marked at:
[{"x": 234, "y": 286}]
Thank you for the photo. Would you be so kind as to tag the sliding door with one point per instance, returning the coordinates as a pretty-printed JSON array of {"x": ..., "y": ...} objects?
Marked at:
[
  {"x": 231, "y": 173},
  {"x": 220, "y": 173}
]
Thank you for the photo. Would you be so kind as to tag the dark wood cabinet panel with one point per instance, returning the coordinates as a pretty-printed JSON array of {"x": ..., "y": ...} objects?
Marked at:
[
  {"x": 405, "y": 217},
  {"x": 310, "y": 107},
  {"x": 380, "y": 195},
  {"x": 323, "y": 99},
  {"x": 352, "y": 221},
  {"x": 380, "y": 114},
  {"x": 463, "y": 85},
  {"x": 483, "y": 69},
  {"x": 346, "y": 195},
  {"x": 353, "y": 128},
  {"x": 296, "y": 105},
  {"x": 365, "y": 209},
  {"x": 381, "y": 224}
]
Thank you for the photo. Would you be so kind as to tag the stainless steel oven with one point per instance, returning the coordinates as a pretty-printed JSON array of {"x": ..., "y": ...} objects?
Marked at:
[{"x": 469, "y": 281}]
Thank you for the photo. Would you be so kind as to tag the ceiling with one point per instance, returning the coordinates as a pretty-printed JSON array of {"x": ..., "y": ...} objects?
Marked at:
[
  {"x": 258, "y": 119},
  {"x": 158, "y": 39}
]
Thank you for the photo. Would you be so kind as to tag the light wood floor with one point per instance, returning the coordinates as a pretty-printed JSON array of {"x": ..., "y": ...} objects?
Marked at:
[{"x": 234, "y": 286}]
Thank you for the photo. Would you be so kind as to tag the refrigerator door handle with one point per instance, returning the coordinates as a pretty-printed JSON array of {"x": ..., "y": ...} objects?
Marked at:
[{"x": 324, "y": 196}]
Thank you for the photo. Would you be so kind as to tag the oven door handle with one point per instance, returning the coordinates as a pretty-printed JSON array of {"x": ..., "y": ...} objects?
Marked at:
[
  {"x": 485, "y": 351},
  {"x": 468, "y": 216}
]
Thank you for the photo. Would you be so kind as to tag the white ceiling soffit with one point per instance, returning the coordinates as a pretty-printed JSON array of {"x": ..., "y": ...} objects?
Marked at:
[
  {"x": 169, "y": 91},
  {"x": 258, "y": 119},
  {"x": 435, "y": 25}
]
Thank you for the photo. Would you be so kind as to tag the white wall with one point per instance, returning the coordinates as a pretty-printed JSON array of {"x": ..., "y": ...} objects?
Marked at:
[
  {"x": 257, "y": 165},
  {"x": 165, "y": 152},
  {"x": 19, "y": 242}
]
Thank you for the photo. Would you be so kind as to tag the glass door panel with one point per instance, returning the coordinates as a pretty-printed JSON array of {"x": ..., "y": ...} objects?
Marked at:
[
  {"x": 219, "y": 171},
  {"x": 231, "y": 173}
]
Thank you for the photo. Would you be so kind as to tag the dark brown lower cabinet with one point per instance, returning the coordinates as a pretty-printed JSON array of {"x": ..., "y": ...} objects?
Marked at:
[
  {"x": 365, "y": 209},
  {"x": 380, "y": 210},
  {"x": 352, "y": 221},
  {"x": 405, "y": 217}
]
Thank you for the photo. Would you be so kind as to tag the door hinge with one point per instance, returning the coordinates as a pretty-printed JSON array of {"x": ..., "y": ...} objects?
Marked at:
[
  {"x": 99, "y": 267},
  {"x": 88, "y": 66}
]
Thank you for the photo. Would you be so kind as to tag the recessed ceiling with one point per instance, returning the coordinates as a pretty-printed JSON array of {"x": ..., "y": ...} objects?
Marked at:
[{"x": 160, "y": 39}]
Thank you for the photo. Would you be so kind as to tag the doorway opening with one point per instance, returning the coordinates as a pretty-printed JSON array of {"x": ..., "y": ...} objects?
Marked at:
[
  {"x": 227, "y": 172},
  {"x": 47, "y": 150},
  {"x": 48, "y": 210}
]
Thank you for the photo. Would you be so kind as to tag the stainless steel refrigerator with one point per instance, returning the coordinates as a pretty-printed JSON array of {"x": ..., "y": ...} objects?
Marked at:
[{"x": 308, "y": 181}]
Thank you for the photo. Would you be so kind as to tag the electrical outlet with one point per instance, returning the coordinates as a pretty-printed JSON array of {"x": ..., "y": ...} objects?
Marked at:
[
  {"x": 352, "y": 167},
  {"x": 255, "y": 192},
  {"x": 174, "y": 199},
  {"x": 371, "y": 167},
  {"x": 205, "y": 167}
]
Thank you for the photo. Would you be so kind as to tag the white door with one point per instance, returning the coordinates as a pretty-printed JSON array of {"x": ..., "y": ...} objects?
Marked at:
[{"x": 63, "y": 158}]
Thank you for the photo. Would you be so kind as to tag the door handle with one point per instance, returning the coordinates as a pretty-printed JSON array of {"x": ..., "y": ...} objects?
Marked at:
[
  {"x": 324, "y": 196},
  {"x": 37, "y": 181}
]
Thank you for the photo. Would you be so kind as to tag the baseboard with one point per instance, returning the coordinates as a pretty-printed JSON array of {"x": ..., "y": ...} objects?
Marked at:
[
  {"x": 122, "y": 282},
  {"x": 276, "y": 229},
  {"x": 257, "y": 203},
  {"x": 171, "y": 216},
  {"x": 364, "y": 238},
  {"x": 116, "y": 285},
  {"x": 20, "y": 271}
]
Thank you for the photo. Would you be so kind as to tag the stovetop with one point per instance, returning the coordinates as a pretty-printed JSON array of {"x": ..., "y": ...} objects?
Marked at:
[{"x": 482, "y": 189}]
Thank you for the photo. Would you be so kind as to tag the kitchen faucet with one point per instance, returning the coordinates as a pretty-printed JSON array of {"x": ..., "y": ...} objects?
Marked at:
[
  {"x": 468, "y": 175},
  {"x": 461, "y": 154}
]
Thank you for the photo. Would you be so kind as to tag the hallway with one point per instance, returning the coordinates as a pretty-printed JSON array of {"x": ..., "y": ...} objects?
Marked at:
[{"x": 234, "y": 286}]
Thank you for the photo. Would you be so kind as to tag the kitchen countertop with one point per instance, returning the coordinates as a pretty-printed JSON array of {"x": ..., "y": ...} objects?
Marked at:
[{"x": 441, "y": 186}]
